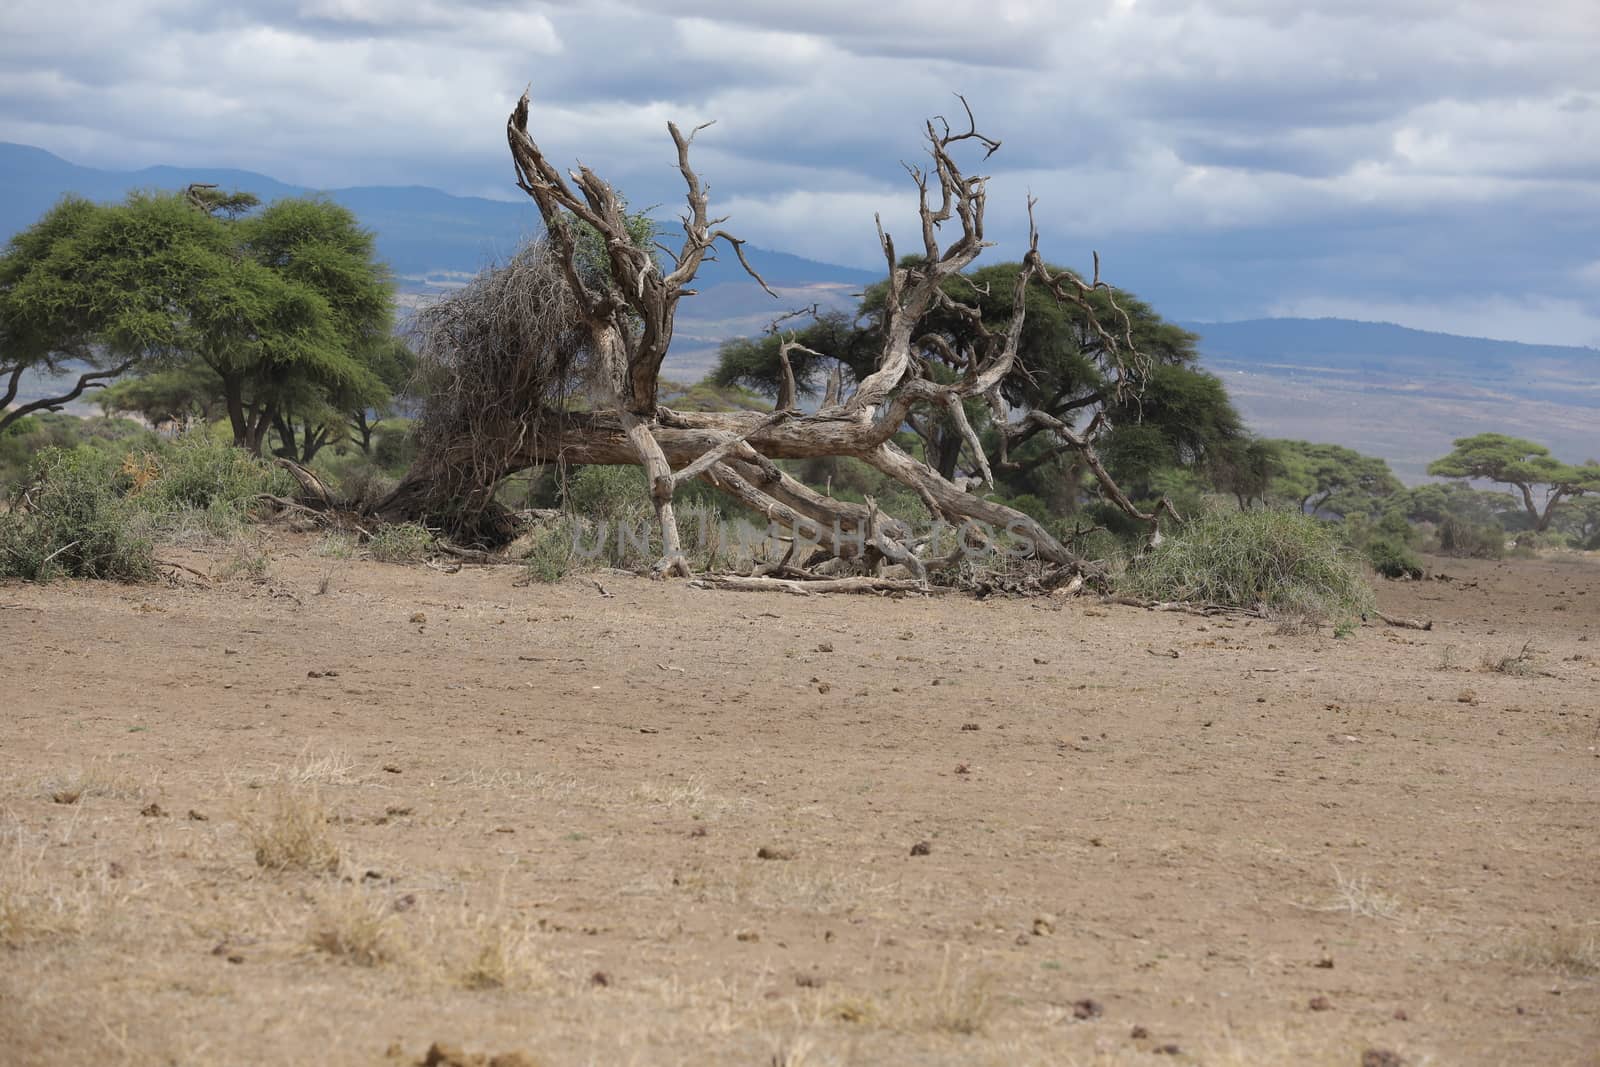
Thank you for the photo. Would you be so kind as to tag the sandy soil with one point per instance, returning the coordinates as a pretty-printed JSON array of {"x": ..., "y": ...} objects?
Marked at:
[{"x": 671, "y": 826}]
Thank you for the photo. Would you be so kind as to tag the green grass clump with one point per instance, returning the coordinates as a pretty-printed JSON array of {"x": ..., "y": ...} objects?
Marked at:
[
  {"x": 550, "y": 556},
  {"x": 1285, "y": 562},
  {"x": 199, "y": 473},
  {"x": 609, "y": 494},
  {"x": 70, "y": 517},
  {"x": 404, "y": 542}
]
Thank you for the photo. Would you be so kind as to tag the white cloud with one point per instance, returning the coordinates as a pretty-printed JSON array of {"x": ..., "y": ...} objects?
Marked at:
[{"x": 1194, "y": 118}]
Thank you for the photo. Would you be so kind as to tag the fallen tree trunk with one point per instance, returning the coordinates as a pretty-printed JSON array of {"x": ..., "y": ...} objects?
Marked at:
[{"x": 503, "y": 356}]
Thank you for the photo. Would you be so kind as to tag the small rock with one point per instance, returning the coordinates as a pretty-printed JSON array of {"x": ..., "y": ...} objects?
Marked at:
[
  {"x": 198, "y": 816},
  {"x": 823, "y": 687},
  {"x": 1326, "y": 963},
  {"x": 1138, "y": 1033},
  {"x": 1167, "y": 1050},
  {"x": 962, "y": 768},
  {"x": 405, "y": 903},
  {"x": 824, "y": 647},
  {"x": 1321, "y": 1004},
  {"x": 152, "y": 810},
  {"x": 66, "y": 796},
  {"x": 1087, "y": 1008},
  {"x": 767, "y": 852},
  {"x": 392, "y": 769},
  {"x": 1401, "y": 1015},
  {"x": 600, "y": 978},
  {"x": 747, "y": 936},
  {"x": 1044, "y": 925},
  {"x": 419, "y": 617},
  {"x": 969, "y": 726},
  {"x": 1381, "y": 1057},
  {"x": 921, "y": 848}
]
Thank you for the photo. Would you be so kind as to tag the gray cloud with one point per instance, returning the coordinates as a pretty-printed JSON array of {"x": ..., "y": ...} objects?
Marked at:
[{"x": 1241, "y": 155}]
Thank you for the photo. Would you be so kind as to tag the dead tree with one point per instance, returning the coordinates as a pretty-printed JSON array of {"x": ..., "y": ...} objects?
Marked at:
[{"x": 504, "y": 357}]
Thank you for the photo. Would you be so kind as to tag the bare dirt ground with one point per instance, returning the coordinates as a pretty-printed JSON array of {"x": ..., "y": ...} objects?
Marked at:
[{"x": 255, "y": 822}]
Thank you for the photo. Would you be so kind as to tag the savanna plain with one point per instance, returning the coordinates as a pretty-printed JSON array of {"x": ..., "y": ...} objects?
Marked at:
[{"x": 346, "y": 812}]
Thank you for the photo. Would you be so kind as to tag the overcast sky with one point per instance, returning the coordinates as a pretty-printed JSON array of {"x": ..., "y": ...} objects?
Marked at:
[{"x": 1429, "y": 162}]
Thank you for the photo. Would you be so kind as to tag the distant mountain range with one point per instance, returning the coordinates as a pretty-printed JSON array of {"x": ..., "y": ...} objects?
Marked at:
[{"x": 1386, "y": 390}]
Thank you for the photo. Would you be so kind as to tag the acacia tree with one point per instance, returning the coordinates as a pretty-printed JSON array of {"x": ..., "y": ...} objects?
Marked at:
[
  {"x": 1178, "y": 417},
  {"x": 193, "y": 288},
  {"x": 89, "y": 286},
  {"x": 503, "y": 356},
  {"x": 1331, "y": 477},
  {"x": 1522, "y": 464}
]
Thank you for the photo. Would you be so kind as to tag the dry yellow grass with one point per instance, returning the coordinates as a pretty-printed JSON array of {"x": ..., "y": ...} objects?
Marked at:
[
  {"x": 356, "y": 926},
  {"x": 292, "y": 834},
  {"x": 502, "y": 957},
  {"x": 1573, "y": 951}
]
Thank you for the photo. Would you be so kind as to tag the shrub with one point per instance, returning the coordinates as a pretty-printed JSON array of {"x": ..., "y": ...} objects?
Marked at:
[
  {"x": 1458, "y": 537},
  {"x": 200, "y": 473},
  {"x": 70, "y": 519},
  {"x": 1283, "y": 561},
  {"x": 609, "y": 494},
  {"x": 1393, "y": 559},
  {"x": 405, "y": 542}
]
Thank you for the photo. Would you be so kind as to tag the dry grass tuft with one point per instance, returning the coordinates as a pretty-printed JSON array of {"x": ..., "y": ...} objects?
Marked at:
[
  {"x": 1358, "y": 896},
  {"x": 332, "y": 769},
  {"x": 959, "y": 1003},
  {"x": 1573, "y": 951},
  {"x": 356, "y": 926},
  {"x": 791, "y": 1052},
  {"x": 1520, "y": 665},
  {"x": 503, "y": 957},
  {"x": 293, "y": 835},
  {"x": 93, "y": 781},
  {"x": 35, "y": 906}
]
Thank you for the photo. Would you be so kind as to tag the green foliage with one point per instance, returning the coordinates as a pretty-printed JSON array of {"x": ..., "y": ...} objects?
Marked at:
[
  {"x": 404, "y": 542},
  {"x": 706, "y": 395},
  {"x": 1172, "y": 416},
  {"x": 1522, "y": 464},
  {"x": 609, "y": 494},
  {"x": 550, "y": 557},
  {"x": 101, "y": 504},
  {"x": 71, "y": 518},
  {"x": 1331, "y": 478},
  {"x": 201, "y": 473},
  {"x": 26, "y": 438},
  {"x": 590, "y": 255},
  {"x": 1287, "y": 562},
  {"x": 1461, "y": 538},
  {"x": 1434, "y": 501},
  {"x": 266, "y": 313},
  {"x": 1393, "y": 558}
]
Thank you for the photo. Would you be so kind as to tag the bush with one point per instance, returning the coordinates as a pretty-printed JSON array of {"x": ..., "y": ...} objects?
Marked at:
[
  {"x": 550, "y": 556},
  {"x": 1458, "y": 537},
  {"x": 405, "y": 542},
  {"x": 1393, "y": 559},
  {"x": 609, "y": 494},
  {"x": 70, "y": 519},
  {"x": 1283, "y": 561},
  {"x": 199, "y": 487}
]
